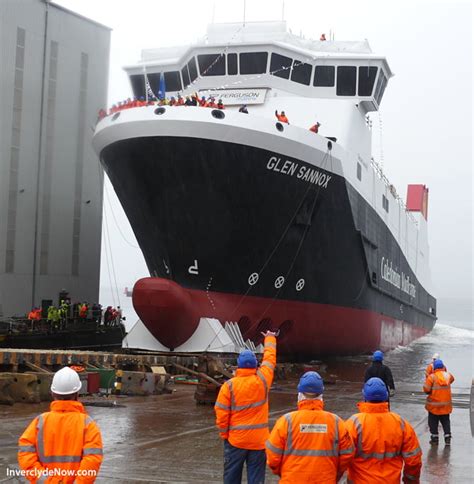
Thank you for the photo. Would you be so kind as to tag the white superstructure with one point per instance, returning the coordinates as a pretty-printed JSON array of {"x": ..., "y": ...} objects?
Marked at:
[{"x": 335, "y": 83}]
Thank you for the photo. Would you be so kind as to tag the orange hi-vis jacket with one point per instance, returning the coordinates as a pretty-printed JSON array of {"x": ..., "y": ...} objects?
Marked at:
[
  {"x": 282, "y": 118},
  {"x": 309, "y": 445},
  {"x": 242, "y": 404},
  {"x": 438, "y": 387},
  {"x": 384, "y": 442},
  {"x": 65, "y": 442}
]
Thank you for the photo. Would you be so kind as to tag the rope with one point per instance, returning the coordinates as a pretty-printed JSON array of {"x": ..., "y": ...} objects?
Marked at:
[
  {"x": 107, "y": 264},
  {"x": 300, "y": 245},
  {"x": 265, "y": 264},
  {"x": 107, "y": 239},
  {"x": 267, "y": 261},
  {"x": 115, "y": 220}
]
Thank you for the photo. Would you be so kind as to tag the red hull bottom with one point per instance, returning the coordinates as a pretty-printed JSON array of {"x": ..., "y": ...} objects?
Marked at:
[{"x": 172, "y": 313}]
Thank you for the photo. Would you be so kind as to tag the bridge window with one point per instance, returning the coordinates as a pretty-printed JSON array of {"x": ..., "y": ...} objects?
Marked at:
[
  {"x": 185, "y": 76},
  {"x": 173, "y": 81},
  {"x": 154, "y": 81},
  {"x": 367, "y": 77},
  {"x": 346, "y": 81},
  {"x": 232, "y": 64},
  {"x": 380, "y": 88},
  {"x": 189, "y": 72},
  {"x": 192, "y": 69},
  {"x": 253, "y": 62},
  {"x": 211, "y": 64},
  {"x": 138, "y": 85},
  {"x": 324, "y": 76},
  {"x": 280, "y": 66},
  {"x": 301, "y": 72}
]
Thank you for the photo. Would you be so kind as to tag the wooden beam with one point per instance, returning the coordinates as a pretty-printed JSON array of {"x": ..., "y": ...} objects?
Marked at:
[
  {"x": 196, "y": 373},
  {"x": 36, "y": 367}
]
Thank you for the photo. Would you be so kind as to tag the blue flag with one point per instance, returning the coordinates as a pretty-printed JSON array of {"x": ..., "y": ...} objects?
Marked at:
[{"x": 162, "y": 88}]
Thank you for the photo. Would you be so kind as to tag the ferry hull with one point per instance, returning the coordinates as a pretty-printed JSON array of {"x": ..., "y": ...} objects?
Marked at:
[
  {"x": 241, "y": 233},
  {"x": 306, "y": 329}
]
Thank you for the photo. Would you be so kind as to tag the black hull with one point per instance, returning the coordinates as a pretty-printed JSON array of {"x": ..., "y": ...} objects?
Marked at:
[{"x": 235, "y": 212}]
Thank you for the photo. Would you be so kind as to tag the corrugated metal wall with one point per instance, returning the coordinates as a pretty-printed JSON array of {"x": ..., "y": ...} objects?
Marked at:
[{"x": 53, "y": 81}]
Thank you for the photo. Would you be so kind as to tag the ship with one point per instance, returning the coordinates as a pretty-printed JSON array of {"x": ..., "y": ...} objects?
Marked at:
[{"x": 245, "y": 218}]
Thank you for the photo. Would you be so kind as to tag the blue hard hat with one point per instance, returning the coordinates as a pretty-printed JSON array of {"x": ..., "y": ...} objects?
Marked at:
[
  {"x": 311, "y": 382},
  {"x": 375, "y": 390},
  {"x": 247, "y": 359},
  {"x": 377, "y": 356},
  {"x": 438, "y": 364}
]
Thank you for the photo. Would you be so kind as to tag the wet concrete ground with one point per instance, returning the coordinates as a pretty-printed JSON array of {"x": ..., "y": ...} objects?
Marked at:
[{"x": 169, "y": 438}]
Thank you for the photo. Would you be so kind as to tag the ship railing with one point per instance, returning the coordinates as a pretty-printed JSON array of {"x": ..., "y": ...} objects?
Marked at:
[{"x": 379, "y": 171}]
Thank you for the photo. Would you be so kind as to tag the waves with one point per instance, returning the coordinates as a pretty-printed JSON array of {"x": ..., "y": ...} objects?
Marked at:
[
  {"x": 443, "y": 335},
  {"x": 447, "y": 334}
]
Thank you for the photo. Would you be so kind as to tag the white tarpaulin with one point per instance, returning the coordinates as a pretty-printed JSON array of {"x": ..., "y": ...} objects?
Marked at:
[
  {"x": 140, "y": 338},
  {"x": 209, "y": 336},
  {"x": 236, "y": 96}
]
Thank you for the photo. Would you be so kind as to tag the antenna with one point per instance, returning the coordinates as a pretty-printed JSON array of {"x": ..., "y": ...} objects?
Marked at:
[{"x": 245, "y": 4}]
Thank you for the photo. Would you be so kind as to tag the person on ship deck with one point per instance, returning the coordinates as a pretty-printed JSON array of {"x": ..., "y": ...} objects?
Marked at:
[{"x": 282, "y": 117}]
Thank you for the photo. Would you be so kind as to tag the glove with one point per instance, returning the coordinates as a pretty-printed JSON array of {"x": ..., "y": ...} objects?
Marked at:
[{"x": 392, "y": 392}]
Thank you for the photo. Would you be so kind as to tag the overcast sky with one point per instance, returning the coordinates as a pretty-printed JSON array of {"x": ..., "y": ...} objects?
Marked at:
[{"x": 426, "y": 113}]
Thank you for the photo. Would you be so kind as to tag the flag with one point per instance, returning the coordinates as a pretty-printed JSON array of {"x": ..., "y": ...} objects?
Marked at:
[
  {"x": 162, "y": 88},
  {"x": 149, "y": 91}
]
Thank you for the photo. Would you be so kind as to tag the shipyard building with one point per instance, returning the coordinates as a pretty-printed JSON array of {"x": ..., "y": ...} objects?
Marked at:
[{"x": 53, "y": 80}]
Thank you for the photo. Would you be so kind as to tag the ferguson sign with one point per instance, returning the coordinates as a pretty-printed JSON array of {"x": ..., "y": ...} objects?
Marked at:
[{"x": 237, "y": 96}]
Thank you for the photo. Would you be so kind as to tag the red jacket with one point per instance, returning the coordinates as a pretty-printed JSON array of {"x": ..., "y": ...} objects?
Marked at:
[{"x": 282, "y": 118}]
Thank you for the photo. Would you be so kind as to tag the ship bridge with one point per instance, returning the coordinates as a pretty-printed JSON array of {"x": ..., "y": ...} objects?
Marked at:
[{"x": 264, "y": 55}]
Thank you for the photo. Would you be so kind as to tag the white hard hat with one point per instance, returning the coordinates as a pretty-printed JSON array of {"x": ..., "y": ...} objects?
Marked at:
[
  {"x": 66, "y": 381},
  {"x": 436, "y": 356}
]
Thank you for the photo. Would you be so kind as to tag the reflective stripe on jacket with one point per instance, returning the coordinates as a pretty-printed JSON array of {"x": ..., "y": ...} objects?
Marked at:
[
  {"x": 65, "y": 438},
  {"x": 384, "y": 442},
  {"x": 438, "y": 387},
  {"x": 309, "y": 445},
  {"x": 242, "y": 404}
]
